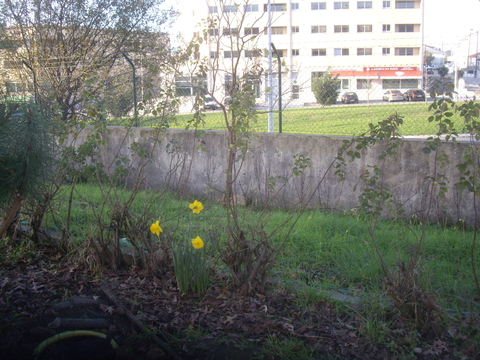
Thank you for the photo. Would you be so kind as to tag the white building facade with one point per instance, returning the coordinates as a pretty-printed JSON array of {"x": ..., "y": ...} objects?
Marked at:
[{"x": 372, "y": 46}]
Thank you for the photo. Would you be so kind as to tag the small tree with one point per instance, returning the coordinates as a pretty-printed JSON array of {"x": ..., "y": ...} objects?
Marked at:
[
  {"x": 325, "y": 89},
  {"x": 27, "y": 149},
  {"x": 66, "y": 43},
  {"x": 443, "y": 71},
  {"x": 428, "y": 58}
]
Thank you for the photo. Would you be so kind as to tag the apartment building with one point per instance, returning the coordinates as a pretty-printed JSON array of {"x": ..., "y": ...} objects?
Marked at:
[{"x": 370, "y": 45}]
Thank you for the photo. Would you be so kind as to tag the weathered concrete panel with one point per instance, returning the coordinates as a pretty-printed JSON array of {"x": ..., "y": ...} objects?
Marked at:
[{"x": 184, "y": 161}]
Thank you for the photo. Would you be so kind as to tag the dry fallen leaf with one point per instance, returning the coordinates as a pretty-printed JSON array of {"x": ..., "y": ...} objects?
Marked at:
[
  {"x": 107, "y": 309},
  {"x": 229, "y": 320}
]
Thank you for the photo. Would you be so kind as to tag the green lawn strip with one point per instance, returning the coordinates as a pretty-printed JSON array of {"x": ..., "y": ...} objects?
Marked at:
[
  {"x": 324, "y": 250},
  {"x": 333, "y": 120}
]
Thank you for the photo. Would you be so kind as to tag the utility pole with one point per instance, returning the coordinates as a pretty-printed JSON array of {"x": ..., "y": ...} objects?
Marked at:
[
  {"x": 270, "y": 74},
  {"x": 468, "y": 51},
  {"x": 422, "y": 47},
  {"x": 279, "y": 88}
]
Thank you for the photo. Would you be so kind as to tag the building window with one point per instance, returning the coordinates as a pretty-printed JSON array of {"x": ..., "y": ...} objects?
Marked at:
[
  {"x": 341, "y": 28},
  {"x": 230, "y": 8},
  {"x": 408, "y": 84},
  {"x": 275, "y": 7},
  {"x": 213, "y": 32},
  {"x": 295, "y": 52},
  {"x": 319, "y": 29},
  {"x": 281, "y": 52},
  {"x": 364, "y": 4},
  {"x": 251, "y": 31},
  {"x": 213, "y": 55},
  {"x": 363, "y": 84},
  {"x": 251, "y": 8},
  {"x": 344, "y": 84},
  {"x": 213, "y": 9},
  {"x": 182, "y": 86},
  {"x": 318, "y": 5},
  {"x": 295, "y": 6},
  {"x": 399, "y": 83},
  {"x": 341, "y": 5},
  {"x": 405, "y": 28},
  {"x": 319, "y": 52},
  {"x": 254, "y": 85},
  {"x": 229, "y": 88},
  {"x": 230, "y": 31},
  {"x": 188, "y": 86},
  {"x": 391, "y": 84},
  {"x": 295, "y": 29},
  {"x": 230, "y": 54},
  {"x": 341, "y": 52},
  {"x": 279, "y": 30},
  {"x": 364, "y": 28},
  {"x": 405, "y": 51},
  {"x": 386, "y": 4},
  {"x": 386, "y": 27},
  {"x": 385, "y": 51},
  {"x": 404, "y": 4},
  {"x": 295, "y": 91},
  {"x": 364, "y": 51},
  {"x": 253, "y": 53}
]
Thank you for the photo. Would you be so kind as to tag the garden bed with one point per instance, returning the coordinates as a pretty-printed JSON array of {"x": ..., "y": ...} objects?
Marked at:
[{"x": 224, "y": 324}]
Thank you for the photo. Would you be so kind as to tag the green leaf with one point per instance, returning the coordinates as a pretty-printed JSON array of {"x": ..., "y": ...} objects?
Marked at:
[{"x": 462, "y": 167}]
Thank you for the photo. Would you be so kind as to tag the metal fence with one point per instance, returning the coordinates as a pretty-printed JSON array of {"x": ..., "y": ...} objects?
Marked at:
[
  {"x": 337, "y": 101},
  {"x": 328, "y": 101}
]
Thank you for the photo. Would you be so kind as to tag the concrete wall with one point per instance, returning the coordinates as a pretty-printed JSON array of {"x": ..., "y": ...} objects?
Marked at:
[{"x": 194, "y": 164}]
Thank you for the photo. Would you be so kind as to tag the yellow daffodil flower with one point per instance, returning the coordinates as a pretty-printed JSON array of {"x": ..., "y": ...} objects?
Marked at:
[
  {"x": 155, "y": 228},
  {"x": 197, "y": 243},
  {"x": 196, "y": 207}
]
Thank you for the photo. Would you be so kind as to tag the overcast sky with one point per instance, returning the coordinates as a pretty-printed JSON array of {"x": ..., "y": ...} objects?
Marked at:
[{"x": 447, "y": 21}]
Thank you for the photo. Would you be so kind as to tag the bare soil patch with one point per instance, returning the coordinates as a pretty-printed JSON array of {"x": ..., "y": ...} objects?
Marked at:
[{"x": 148, "y": 319}]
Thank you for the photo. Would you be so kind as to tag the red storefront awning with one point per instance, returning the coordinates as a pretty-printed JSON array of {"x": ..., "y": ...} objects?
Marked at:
[{"x": 379, "y": 73}]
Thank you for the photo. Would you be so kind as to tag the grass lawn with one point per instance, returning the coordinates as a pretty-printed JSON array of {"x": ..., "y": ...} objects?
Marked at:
[
  {"x": 335, "y": 120},
  {"x": 324, "y": 250}
]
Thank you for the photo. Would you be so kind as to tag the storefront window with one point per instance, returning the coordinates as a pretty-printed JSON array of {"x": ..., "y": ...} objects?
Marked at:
[{"x": 399, "y": 83}]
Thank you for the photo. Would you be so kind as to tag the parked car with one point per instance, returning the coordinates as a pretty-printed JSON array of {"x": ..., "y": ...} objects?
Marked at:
[
  {"x": 414, "y": 94},
  {"x": 349, "y": 97},
  {"x": 209, "y": 103},
  {"x": 393, "y": 95},
  {"x": 442, "y": 96}
]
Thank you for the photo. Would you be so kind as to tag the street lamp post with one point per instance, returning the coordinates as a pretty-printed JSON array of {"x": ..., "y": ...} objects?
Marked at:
[
  {"x": 476, "y": 57},
  {"x": 468, "y": 50}
]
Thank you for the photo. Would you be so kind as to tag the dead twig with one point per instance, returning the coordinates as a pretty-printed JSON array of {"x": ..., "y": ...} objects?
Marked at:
[{"x": 139, "y": 324}]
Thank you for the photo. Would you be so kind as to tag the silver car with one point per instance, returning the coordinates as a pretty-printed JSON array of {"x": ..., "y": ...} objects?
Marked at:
[{"x": 393, "y": 95}]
